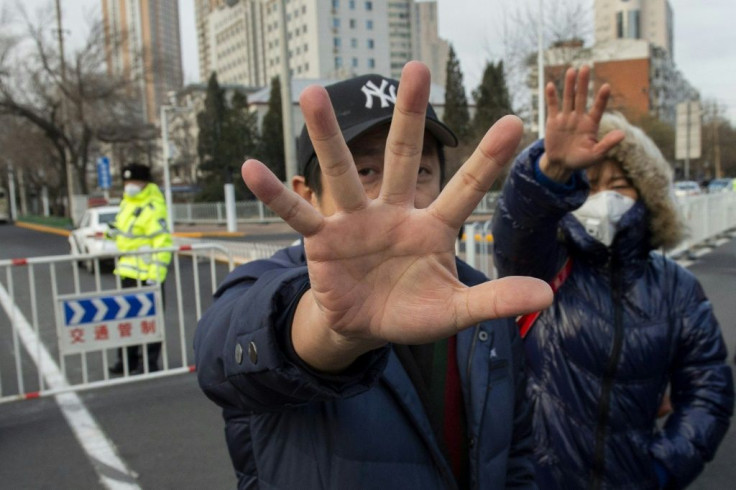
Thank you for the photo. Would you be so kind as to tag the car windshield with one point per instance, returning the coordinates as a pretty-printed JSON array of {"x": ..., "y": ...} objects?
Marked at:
[{"x": 106, "y": 218}]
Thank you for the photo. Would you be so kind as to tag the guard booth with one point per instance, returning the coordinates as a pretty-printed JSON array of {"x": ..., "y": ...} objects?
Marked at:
[{"x": 61, "y": 327}]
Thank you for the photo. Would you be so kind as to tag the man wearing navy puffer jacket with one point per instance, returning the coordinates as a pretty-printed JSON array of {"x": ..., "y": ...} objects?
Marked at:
[
  {"x": 370, "y": 357},
  {"x": 585, "y": 209}
]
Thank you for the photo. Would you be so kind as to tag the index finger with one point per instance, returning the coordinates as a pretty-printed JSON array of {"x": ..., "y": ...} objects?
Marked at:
[{"x": 339, "y": 174}]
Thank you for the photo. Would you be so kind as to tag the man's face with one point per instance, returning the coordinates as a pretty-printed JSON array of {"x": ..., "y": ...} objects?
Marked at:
[{"x": 368, "y": 151}]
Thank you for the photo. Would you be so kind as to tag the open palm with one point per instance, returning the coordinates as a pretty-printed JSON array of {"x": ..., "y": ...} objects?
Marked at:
[
  {"x": 380, "y": 269},
  {"x": 571, "y": 135}
]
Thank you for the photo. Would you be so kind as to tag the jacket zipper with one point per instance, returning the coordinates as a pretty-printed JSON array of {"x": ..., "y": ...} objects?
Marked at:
[
  {"x": 472, "y": 478},
  {"x": 599, "y": 461}
]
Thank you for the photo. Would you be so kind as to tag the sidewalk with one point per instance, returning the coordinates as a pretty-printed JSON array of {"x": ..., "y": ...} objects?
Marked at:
[
  {"x": 191, "y": 230},
  {"x": 244, "y": 229}
]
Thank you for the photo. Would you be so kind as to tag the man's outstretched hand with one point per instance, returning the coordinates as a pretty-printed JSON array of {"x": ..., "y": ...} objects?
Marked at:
[
  {"x": 380, "y": 269},
  {"x": 571, "y": 135}
]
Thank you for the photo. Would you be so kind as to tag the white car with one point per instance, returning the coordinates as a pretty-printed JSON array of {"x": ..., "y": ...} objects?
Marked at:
[
  {"x": 89, "y": 236},
  {"x": 686, "y": 188}
]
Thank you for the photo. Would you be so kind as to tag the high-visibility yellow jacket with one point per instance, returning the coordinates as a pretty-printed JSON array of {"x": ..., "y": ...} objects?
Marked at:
[{"x": 141, "y": 225}]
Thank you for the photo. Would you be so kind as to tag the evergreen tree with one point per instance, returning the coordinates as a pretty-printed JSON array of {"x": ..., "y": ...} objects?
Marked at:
[
  {"x": 271, "y": 148},
  {"x": 227, "y": 135},
  {"x": 492, "y": 100},
  {"x": 210, "y": 122},
  {"x": 456, "y": 114}
]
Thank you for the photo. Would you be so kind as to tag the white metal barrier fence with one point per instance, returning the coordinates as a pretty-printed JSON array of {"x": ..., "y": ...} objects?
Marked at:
[
  {"x": 60, "y": 328},
  {"x": 257, "y": 212},
  {"x": 707, "y": 216}
]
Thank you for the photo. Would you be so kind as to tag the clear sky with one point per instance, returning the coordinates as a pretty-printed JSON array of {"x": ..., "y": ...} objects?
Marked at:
[{"x": 705, "y": 37}]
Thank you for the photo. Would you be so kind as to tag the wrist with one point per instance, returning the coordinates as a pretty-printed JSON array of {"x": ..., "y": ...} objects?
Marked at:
[
  {"x": 554, "y": 170},
  {"x": 318, "y": 345}
]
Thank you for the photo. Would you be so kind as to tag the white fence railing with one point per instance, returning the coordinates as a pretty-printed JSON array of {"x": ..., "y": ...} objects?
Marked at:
[
  {"x": 707, "y": 216},
  {"x": 60, "y": 329},
  {"x": 257, "y": 212}
]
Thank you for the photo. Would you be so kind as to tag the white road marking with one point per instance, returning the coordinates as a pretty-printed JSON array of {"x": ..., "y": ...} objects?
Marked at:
[{"x": 111, "y": 469}]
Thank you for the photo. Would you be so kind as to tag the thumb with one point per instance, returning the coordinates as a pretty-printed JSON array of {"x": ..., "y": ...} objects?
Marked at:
[{"x": 510, "y": 296}]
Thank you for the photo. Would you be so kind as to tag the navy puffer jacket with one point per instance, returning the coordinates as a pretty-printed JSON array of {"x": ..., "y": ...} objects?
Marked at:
[
  {"x": 288, "y": 427},
  {"x": 625, "y": 323}
]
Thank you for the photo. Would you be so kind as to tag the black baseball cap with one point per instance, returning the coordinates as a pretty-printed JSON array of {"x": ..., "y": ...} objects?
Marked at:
[{"x": 361, "y": 104}]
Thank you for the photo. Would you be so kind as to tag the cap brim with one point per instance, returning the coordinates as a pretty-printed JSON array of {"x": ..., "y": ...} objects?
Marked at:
[{"x": 443, "y": 134}]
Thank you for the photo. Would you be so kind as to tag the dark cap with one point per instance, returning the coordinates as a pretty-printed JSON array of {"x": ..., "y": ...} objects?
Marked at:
[
  {"x": 361, "y": 104},
  {"x": 136, "y": 171}
]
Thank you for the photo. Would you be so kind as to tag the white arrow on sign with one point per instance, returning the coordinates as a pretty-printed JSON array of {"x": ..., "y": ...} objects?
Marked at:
[
  {"x": 101, "y": 309},
  {"x": 146, "y": 305},
  {"x": 78, "y": 312},
  {"x": 124, "y": 307}
]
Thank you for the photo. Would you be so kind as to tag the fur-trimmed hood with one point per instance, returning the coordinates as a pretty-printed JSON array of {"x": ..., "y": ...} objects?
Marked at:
[{"x": 651, "y": 175}]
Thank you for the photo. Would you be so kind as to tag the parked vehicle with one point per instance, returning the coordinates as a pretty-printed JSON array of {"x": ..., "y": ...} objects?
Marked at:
[
  {"x": 685, "y": 188},
  {"x": 89, "y": 236},
  {"x": 720, "y": 185}
]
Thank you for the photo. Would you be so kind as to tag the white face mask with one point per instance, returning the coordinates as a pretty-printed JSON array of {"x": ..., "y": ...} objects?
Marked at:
[
  {"x": 601, "y": 212},
  {"x": 131, "y": 190}
]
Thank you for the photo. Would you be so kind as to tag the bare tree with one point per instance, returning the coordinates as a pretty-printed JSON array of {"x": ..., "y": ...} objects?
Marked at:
[
  {"x": 100, "y": 107},
  {"x": 567, "y": 27}
]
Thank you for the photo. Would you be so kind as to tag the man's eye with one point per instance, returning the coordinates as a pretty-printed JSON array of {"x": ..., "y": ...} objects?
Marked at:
[
  {"x": 425, "y": 171},
  {"x": 365, "y": 172}
]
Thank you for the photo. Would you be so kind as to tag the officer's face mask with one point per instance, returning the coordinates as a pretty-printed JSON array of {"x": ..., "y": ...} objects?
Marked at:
[
  {"x": 601, "y": 213},
  {"x": 131, "y": 190}
]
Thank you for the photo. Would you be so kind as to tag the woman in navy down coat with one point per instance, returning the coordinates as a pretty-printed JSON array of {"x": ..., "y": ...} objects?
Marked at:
[{"x": 625, "y": 323}]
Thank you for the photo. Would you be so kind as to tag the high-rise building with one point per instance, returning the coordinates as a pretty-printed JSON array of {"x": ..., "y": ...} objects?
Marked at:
[
  {"x": 202, "y": 10},
  {"x": 650, "y": 20},
  {"x": 326, "y": 38},
  {"x": 427, "y": 46},
  {"x": 142, "y": 43}
]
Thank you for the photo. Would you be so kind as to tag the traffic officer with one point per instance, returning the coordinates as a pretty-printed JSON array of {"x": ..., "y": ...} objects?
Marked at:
[{"x": 141, "y": 224}]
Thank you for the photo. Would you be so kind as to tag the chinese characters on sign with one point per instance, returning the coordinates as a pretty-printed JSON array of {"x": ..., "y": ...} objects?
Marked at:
[{"x": 97, "y": 321}]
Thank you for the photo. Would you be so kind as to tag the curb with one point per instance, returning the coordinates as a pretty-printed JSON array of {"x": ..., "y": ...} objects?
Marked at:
[
  {"x": 186, "y": 234},
  {"x": 43, "y": 228}
]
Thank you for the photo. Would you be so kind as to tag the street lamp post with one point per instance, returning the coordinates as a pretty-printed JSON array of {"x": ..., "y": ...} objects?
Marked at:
[
  {"x": 165, "y": 151},
  {"x": 540, "y": 74},
  {"x": 65, "y": 116},
  {"x": 286, "y": 108},
  {"x": 167, "y": 175}
]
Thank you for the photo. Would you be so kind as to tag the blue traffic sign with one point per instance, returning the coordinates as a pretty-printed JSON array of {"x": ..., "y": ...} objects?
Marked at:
[
  {"x": 103, "y": 173},
  {"x": 109, "y": 308}
]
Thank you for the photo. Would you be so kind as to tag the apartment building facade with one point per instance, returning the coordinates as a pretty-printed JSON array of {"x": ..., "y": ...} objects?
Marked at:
[
  {"x": 335, "y": 39},
  {"x": 142, "y": 43}
]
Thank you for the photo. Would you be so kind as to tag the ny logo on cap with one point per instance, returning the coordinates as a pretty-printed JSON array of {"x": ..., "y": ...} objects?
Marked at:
[{"x": 370, "y": 90}]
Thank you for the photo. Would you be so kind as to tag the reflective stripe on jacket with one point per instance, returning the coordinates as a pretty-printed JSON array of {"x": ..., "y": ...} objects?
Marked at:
[{"x": 141, "y": 225}]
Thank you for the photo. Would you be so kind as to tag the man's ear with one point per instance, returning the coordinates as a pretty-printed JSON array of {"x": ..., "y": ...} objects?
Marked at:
[{"x": 299, "y": 185}]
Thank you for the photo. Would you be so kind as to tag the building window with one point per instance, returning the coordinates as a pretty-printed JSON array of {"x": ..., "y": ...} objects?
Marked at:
[
  {"x": 336, "y": 42},
  {"x": 371, "y": 63},
  {"x": 369, "y": 25},
  {"x": 370, "y": 43},
  {"x": 338, "y": 62},
  {"x": 335, "y": 4},
  {"x": 355, "y": 62},
  {"x": 335, "y": 22},
  {"x": 634, "y": 28},
  {"x": 369, "y": 5},
  {"x": 353, "y": 43},
  {"x": 352, "y": 23},
  {"x": 351, "y": 3},
  {"x": 619, "y": 25}
]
